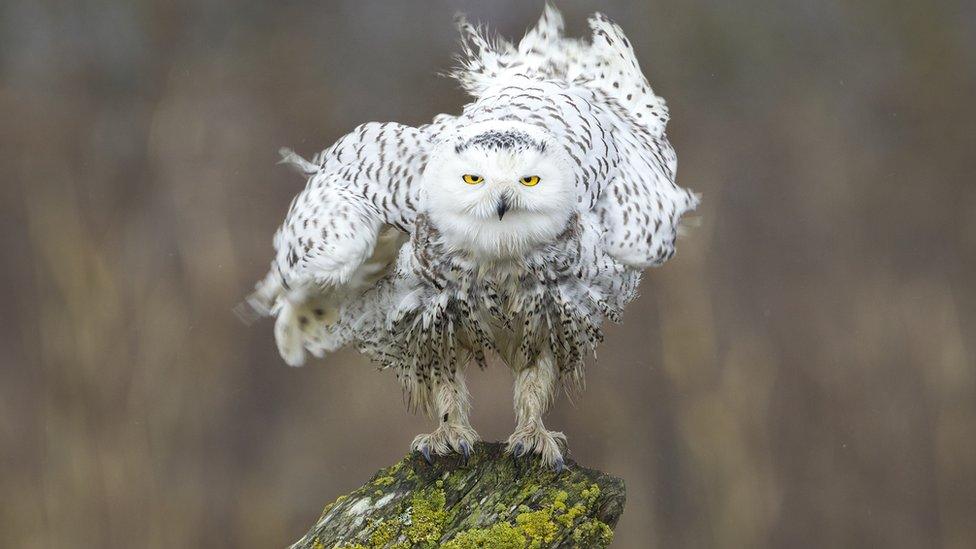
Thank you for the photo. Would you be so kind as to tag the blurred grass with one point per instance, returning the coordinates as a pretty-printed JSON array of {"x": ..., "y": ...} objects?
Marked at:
[{"x": 802, "y": 374}]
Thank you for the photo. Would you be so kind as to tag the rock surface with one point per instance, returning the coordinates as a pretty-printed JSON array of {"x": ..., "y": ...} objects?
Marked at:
[{"x": 492, "y": 500}]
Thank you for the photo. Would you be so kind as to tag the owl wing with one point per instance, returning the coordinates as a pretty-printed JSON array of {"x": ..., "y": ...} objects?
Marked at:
[
  {"x": 642, "y": 205},
  {"x": 606, "y": 114},
  {"x": 341, "y": 233}
]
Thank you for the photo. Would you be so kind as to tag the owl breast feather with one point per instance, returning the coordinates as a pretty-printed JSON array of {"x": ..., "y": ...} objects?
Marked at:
[{"x": 442, "y": 310}]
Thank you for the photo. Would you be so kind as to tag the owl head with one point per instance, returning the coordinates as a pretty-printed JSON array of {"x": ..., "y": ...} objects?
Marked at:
[{"x": 499, "y": 188}]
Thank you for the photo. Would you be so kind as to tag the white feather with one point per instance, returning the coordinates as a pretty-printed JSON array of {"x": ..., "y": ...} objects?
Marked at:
[{"x": 578, "y": 114}]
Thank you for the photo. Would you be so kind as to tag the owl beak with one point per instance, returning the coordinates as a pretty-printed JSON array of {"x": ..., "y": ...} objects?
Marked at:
[{"x": 502, "y": 207}]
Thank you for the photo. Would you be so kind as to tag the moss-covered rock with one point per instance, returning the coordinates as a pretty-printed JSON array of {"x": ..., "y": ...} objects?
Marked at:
[{"x": 490, "y": 501}]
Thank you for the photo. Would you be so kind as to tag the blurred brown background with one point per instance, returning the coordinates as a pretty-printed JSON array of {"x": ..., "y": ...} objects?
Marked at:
[{"x": 800, "y": 375}]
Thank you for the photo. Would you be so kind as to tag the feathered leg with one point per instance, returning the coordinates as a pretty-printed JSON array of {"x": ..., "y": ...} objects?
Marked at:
[
  {"x": 535, "y": 389},
  {"x": 451, "y": 404}
]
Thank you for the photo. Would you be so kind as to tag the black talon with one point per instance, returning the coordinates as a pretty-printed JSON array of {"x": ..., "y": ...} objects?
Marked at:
[
  {"x": 559, "y": 466},
  {"x": 518, "y": 450},
  {"x": 425, "y": 450},
  {"x": 465, "y": 449}
]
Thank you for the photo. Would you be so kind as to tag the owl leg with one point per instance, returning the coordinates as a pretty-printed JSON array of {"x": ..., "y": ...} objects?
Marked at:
[
  {"x": 450, "y": 402},
  {"x": 535, "y": 389}
]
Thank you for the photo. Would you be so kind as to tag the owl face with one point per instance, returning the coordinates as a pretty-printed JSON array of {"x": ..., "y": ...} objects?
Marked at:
[{"x": 499, "y": 188}]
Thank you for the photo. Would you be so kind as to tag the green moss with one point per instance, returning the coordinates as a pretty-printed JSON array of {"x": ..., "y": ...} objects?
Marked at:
[
  {"x": 527, "y": 511},
  {"x": 387, "y": 476},
  {"x": 427, "y": 517},
  {"x": 386, "y": 532},
  {"x": 393, "y": 469},
  {"x": 499, "y": 536},
  {"x": 540, "y": 528},
  {"x": 383, "y": 534},
  {"x": 527, "y": 490}
]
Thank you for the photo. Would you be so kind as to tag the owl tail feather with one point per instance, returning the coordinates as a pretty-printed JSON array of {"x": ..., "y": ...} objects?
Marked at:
[
  {"x": 296, "y": 161},
  {"x": 267, "y": 300},
  {"x": 260, "y": 303}
]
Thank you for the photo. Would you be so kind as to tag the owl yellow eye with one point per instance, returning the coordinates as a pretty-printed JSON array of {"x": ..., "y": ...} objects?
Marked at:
[
  {"x": 530, "y": 180},
  {"x": 472, "y": 179}
]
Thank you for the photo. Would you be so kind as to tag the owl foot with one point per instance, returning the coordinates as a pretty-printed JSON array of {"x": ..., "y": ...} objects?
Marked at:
[
  {"x": 447, "y": 438},
  {"x": 536, "y": 439}
]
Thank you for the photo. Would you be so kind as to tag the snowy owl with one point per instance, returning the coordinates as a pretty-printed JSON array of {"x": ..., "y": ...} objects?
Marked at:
[{"x": 510, "y": 230}]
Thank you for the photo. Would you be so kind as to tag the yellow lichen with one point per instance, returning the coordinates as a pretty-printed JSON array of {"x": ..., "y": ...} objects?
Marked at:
[
  {"x": 387, "y": 476},
  {"x": 559, "y": 501},
  {"x": 593, "y": 533},
  {"x": 569, "y": 517},
  {"x": 499, "y": 536},
  {"x": 330, "y": 506},
  {"x": 591, "y": 494},
  {"x": 537, "y": 527},
  {"x": 427, "y": 517},
  {"x": 384, "y": 533},
  {"x": 543, "y": 516}
]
